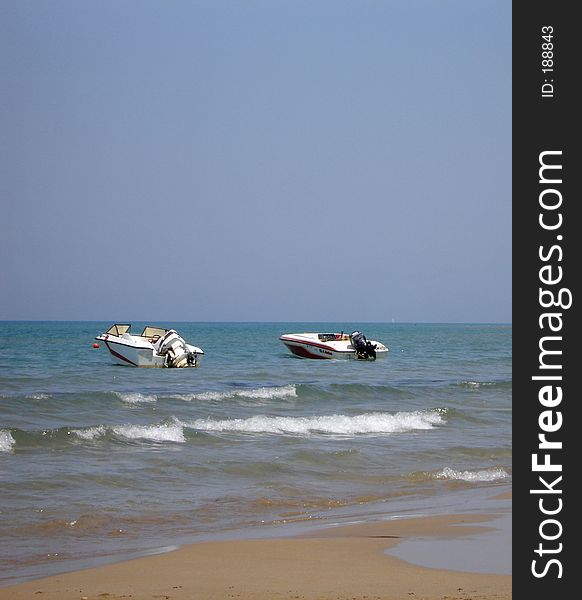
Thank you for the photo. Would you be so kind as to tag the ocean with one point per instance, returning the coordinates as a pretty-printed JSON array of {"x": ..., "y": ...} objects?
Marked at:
[{"x": 99, "y": 462}]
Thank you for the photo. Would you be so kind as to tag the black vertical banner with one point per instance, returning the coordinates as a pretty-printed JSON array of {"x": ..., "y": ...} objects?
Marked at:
[{"x": 547, "y": 349}]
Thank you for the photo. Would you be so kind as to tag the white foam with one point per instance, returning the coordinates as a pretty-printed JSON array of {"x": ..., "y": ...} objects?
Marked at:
[
  {"x": 164, "y": 432},
  {"x": 370, "y": 423},
  {"x": 167, "y": 432},
  {"x": 135, "y": 397},
  {"x": 262, "y": 393},
  {"x": 491, "y": 474},
  {"x": 90, "y": 433},
  {"x": 6, "y": 441},
  {"x": 269, "y": 393},
  {"x": 476, "y": 384}
]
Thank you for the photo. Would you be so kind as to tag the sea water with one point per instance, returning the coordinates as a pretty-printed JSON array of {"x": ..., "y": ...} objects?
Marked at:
[{"x": 100, "y": 462}]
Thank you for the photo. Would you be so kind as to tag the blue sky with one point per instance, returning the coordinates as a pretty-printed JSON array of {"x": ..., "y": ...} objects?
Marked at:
[{"x": 259, "y": 160}]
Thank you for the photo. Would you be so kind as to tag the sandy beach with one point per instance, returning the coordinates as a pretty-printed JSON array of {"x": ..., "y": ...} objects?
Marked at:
[{"x": 348, "y": 562}]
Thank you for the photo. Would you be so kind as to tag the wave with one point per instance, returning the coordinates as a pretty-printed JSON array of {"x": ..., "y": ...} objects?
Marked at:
[
  {"x": 491, "y": 474},
  {"x": 135, "y": 397},
  {"x": 170, "y": 430},
  {"x": 90, "y": 433},
  {"x": 167, "y": 432},
  {"x": 262, "y": 393},
  {"x": 161, "y": 432},
  {"x": 39, "y": 396},
  {"x": 175, "y": 431},
  {"x": 6, "y": 441},
  {"x": 474, "y": 385},
  {"x": 369, "y": 423}
]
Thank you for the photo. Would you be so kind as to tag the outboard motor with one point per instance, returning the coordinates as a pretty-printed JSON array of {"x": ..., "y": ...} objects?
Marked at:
[
  {"x": 192, "y": 359},
  {"x": 175, "y": 350},
  {"x": 364, "y": 349}
]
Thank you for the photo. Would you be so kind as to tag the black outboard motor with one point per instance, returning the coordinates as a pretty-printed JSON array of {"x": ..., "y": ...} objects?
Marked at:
[{"x": 364, "y": 349}]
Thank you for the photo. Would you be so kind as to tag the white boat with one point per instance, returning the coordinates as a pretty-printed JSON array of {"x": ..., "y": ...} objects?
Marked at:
[
  {"x": 334, "y": 345},
  {"x": 153, "y": 347}
]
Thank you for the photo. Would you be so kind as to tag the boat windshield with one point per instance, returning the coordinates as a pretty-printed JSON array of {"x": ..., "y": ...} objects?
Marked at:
[
  {"x": 153, "y": 332},
  {"x": 118, "y": 329},
  {"x": 330, "y": 337}
]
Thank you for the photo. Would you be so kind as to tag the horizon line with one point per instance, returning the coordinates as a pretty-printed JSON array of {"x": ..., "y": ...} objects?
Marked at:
[{"x": 391, "y": 322}]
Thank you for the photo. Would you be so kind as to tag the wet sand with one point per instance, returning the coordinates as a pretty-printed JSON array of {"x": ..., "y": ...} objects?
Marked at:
[{"x": 339, "y": 563}]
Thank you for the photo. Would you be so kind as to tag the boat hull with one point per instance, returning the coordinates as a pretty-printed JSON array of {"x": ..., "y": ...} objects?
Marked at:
[
  {"x": 154, "y": 348},
  {"x": 311, "y": 351},
  {"x": 307, "y": 346},
  {"x": 124, "y": 354}
]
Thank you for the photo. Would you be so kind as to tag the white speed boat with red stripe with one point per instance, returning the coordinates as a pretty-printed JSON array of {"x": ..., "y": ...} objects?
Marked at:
[
  {"x": 334, "y": 345},
  {"x": 153, "y": 347}
]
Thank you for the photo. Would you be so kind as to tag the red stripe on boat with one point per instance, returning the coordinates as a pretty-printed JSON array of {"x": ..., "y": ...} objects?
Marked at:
[
  {"x": 304, "y": 353},
  {"x": 119, "y": 355}
]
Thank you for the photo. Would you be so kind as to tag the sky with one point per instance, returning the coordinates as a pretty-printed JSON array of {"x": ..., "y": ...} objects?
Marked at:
[{"x": 259, "y": 160}]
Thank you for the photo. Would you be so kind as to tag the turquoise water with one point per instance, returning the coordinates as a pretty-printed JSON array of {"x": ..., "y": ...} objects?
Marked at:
[{"x": 99, "y": 462}]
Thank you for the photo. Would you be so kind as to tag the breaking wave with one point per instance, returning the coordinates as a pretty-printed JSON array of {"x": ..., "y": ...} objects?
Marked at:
[
  {"x": 491, "y": 474},
  {"x": 474, "y": 385},
  {"x": 370, "y": 423},
  {"x": 6, "y": 441},
  {"x": 262, "y": 393},
  {"x": 176, "y": 431},
  {"x": 135, "y": 397},
  {"x": 162, "y": 432},
  {"x": 91, "y": 433},
  {"x": 168, "y": 432}
]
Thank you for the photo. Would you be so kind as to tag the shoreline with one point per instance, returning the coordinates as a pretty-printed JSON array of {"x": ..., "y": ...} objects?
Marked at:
[
  {"x": 496, "y": 504},
  {"x": 341, "y": 561}
]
